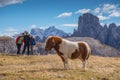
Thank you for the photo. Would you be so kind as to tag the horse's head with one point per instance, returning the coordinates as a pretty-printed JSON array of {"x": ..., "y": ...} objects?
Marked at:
[
  {"x": 52, "y": 42},
  {"x": 49, "y": 44}
]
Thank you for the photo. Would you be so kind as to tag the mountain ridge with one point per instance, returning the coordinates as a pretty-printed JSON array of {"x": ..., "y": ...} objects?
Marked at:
[{"x": 41, "y": 34}]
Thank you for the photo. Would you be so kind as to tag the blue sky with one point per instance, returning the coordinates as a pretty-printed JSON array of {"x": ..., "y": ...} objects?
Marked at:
[{"x": 19, "y": 15}]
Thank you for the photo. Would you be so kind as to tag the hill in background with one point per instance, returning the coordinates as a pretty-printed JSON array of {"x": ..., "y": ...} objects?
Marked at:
[
  {"x": 97, "y": 47},
  {"x": 9, "y": 46}
]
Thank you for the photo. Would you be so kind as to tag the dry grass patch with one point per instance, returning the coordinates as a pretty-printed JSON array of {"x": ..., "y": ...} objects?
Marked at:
[{"x": 50, "y": 67}]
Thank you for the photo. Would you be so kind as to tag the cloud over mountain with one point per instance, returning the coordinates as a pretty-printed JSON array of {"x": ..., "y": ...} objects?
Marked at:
[
  {"x": 65, "y": 14},
  {"x": 69, "y": 25},
  {"x": 82, "y": 11},
  {"x": 107, "y": 11}
]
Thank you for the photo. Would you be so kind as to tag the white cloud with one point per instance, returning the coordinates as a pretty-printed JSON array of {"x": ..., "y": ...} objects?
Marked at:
[
  {"x": 70, "y": 25},
  {"x": 43, "y": 27},
  {"x": 9, "y": 32},
  {"x": 97, "y": 10},
  {"x": 33, "y": 26},
  {"x": 107, "y": 11},
  {"x": 65, "y": 14},
  {"x": 82, "y": 11},
  {"x": 101, "y": 17},
  {"x": 108, "y": 8},
  {"x": 102, "y": 24},
  {"x": 111, "y": 9},
  {"x": 115, "y": 14},
  {"x": 9, "y": 2},
  {"x": 118, "y": 24}
]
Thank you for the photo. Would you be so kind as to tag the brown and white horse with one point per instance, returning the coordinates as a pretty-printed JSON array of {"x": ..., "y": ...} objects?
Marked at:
[{"x": 68, "y": 49}]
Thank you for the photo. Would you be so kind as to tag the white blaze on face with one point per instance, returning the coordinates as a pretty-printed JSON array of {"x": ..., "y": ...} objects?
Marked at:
[{"x": 68, "y": 47}]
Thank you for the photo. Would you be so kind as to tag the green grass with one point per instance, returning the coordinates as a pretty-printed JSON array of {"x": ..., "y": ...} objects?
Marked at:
[{"x": 50, "y": 67}]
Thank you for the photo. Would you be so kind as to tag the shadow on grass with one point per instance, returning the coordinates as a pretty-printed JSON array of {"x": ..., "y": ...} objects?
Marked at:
[
  {"x": 51, "y": 70},
  {"x": 42, "y": 70},
  {"x": 31, "y": 71},
  {"x": 62, "y": 69},
  {"x": 3, "y": 74},
  {"x": 56, "y": 69}
]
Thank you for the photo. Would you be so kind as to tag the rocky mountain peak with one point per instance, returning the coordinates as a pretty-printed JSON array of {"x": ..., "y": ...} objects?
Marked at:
[
  {"x": 91, "y": 19},
  {"x": 112, "y": 25},
  {"x": 105, "y": 26},
  {"x": 89, "y": 26}
]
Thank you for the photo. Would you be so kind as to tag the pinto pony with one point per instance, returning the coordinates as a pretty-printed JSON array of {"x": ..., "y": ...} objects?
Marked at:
[{"x": 68, "y": 49}]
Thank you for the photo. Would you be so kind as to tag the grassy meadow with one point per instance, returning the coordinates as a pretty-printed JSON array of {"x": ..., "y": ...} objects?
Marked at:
[{"x": 50, "y": 67}]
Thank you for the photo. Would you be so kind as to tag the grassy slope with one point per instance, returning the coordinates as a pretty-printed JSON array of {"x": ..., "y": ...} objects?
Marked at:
[{"x": 50, "y": 67}]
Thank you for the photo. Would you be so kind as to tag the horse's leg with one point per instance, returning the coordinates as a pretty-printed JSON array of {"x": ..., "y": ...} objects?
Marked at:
[
  {"x": 84, "y": 62},
  {"x": 65, "y": 62}
]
